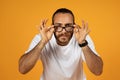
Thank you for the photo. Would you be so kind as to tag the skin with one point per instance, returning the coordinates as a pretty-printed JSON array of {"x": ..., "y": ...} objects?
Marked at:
[
  {"x": 63, "y": 37},
  {"x": 94, "y": 62}
]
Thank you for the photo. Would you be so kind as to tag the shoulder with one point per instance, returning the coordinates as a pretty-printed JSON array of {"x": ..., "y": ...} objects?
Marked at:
[
  {"x": 37, "y": 38},
  {"x": 89, "y": 39}
]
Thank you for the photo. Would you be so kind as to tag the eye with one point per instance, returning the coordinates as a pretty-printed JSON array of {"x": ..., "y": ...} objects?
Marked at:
[
  {"x": 58, "y": 28},
  {"x": 69, "y": 28},
  {"x": 68, "y": 25}
]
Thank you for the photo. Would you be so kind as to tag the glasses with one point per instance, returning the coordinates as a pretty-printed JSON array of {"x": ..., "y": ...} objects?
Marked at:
[{"x": 68, "y": 28}]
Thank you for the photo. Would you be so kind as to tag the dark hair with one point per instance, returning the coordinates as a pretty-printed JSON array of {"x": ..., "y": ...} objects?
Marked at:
[{"x": 63, "y": 10}]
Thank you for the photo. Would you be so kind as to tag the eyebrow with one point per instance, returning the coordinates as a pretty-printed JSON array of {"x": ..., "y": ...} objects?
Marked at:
[
  {"x": 65, "y": 24},
  {"x": 58, "y": 23}
]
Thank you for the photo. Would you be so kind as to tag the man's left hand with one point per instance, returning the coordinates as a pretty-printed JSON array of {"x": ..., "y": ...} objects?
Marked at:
[{"x": 81, "y": 32}]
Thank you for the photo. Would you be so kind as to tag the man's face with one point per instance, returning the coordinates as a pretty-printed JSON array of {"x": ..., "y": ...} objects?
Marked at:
[{"x": 63, "y": 23}]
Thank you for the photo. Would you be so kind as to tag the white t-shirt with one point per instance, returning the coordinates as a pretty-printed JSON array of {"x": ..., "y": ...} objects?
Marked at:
[{"x": 62, "y": 62}]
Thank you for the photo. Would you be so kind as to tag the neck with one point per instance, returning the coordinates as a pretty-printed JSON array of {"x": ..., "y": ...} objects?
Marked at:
[{"x": 62, "y": 44}]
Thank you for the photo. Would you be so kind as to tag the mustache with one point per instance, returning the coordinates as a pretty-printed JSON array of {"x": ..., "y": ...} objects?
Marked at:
[{"x": 63, "y": 34}]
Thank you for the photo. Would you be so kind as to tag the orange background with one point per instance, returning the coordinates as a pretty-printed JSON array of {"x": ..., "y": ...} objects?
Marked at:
[{"x": 18, "y": 20}]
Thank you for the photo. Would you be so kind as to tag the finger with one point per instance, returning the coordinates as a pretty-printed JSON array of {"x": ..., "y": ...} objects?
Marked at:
[
  {"x": 51, "y": 27},
  {"x": 38, "y": 28},
  {"x": 44, "y": 23},
  {"x": 86, "y": 26},
  {"x": 76, "y": 29},
  {"x": 76, "y": 26},
  {"x": 83, "y": 24},
  {"x": 76, "y": 32},
  {"x": 88, "y": 31}
]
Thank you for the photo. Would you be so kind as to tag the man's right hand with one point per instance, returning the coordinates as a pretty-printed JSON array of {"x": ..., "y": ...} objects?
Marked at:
[
  {"x": 46, "y": 32},
  {"x": 28, "y": 61}
]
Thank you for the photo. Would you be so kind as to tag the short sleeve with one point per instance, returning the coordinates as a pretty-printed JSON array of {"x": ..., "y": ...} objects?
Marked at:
[
  {"x": 91, "y": 46},
  {"x": 34, "y": 42}
]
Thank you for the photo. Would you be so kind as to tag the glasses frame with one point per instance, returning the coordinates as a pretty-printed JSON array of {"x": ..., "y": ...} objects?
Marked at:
[{"x": 63, "y": 27}]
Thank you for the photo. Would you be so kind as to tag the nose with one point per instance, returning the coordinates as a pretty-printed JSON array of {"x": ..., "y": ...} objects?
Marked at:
[{"x": 63, "y": 31}]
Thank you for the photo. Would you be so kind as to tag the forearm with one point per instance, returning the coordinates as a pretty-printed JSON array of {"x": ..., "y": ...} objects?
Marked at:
[
  {"x": 28, "y": 60},
  {"x": 94, "y": 62}
]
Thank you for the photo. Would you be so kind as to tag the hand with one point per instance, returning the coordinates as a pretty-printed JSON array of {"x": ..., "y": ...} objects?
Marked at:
[
  {"x": 46, "y": 32},
  {"x": 81, "y": 32}
]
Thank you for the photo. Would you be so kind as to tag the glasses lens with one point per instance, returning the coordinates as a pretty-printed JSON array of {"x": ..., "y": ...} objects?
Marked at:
[
  {"x": 70, "y": 28},
  {"x": 58, "y": 28}
]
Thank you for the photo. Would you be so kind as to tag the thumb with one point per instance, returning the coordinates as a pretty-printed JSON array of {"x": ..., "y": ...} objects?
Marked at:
[{"x": 52, "y": 28}]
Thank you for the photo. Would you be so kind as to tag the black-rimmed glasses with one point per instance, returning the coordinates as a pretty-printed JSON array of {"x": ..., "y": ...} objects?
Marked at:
[{"x": 67, "y": 27}]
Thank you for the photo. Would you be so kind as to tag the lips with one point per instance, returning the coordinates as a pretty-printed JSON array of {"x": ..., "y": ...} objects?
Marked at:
[{"x": 63, "y": 36}]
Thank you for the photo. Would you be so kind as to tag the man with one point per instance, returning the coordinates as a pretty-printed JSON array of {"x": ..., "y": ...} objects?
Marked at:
[{"x": 62, "y": 48}]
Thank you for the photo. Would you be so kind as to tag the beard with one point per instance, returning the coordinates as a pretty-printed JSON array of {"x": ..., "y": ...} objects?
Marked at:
[{"x": 63, "y": 38}]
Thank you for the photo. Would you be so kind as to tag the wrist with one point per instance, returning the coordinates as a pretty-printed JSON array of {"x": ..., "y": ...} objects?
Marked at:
[
  {"x": 43, "y": 41},
  {"x": 83, "y": 43},
  {"x": 41, "y": 44}
]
